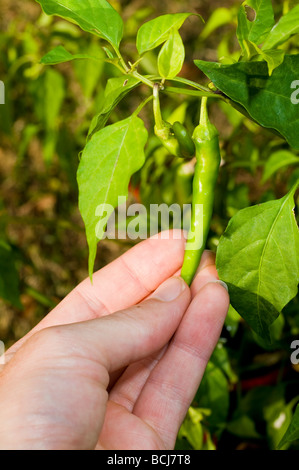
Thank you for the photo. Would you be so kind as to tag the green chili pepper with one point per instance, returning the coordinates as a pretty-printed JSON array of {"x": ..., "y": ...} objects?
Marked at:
[
  {"x": 185, "y": 141},
  {"x": 183, "y": 182},
  {"x": 180, "y": 145},
  {"x": 206, "y": 141}
]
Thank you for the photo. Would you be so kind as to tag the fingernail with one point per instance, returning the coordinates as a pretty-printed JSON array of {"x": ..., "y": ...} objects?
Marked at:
[
  {"x": 170, "y": 289},
  {"x": 221, "y": 283}
]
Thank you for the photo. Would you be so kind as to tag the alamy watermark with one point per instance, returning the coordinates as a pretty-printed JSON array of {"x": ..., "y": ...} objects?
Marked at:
[
  {"x": 137, "y": 222},
  {"x": 295, "y": 94},
  {"x": 2, "y": 93},
  {"x": 295, "y": 354}
]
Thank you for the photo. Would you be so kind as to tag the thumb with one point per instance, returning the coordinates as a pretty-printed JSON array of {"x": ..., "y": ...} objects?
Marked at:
[
  {"x": 66, "y": 365},
  {"x": 115, "y": 340},
  {"x": 129, "y": 335}
]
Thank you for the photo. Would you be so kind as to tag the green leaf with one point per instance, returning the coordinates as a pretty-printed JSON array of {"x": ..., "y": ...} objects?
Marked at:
[
  {"x": 258, "y": 258},
  {"x": 90, "y": 73},
  {"x": 283, "y": 30},
  {"x": 94, "y": 16},
  {"x": 243, "y": 426},
  {"x": 232, "y": 321},
  {"x": 107, "y": 163},
  {"x": 252, "y": 33},
  {"x": 292, "y": 433},
  {"x": 9, "y": 278},
  {"x": 273, "y": 59},
  {"x": 192, "y": 429},
  {"x": 116, "y": 89},
  {"x": 60, "y": 54},
  {"x": 213, "y": 394},
  {"x": 278, "y": 416},
  {"x": 220, "y": 358},
  {"x": 242, "y": 29},
  {"x": 49, "y": 91},
  {"x": 257, "y": 30},
  {"x": 267, "y": 100},
  {"x": 278, "y": 160},
  {"x": 172, "y": 56},
  {"x": 157, "y": 31},
  {"x": 218, "y": 18}
]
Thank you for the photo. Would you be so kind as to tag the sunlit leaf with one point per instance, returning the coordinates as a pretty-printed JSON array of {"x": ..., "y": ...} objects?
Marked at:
[
  {"x": 107, "y": 163},
  {"x": 258, "y": 258},
  {"x": 172, "y": 56},
  {"x": 256, "y": 30},
  {"x": 268, "y": 100},
  {"x": 278, "y": 160},
  {"x": 95, "y": 16},
  {"x": 287, "y": 26},
  {"x": 155, "y": 32},
  {"x": 60, "y": 54},
  {"x": 116, "y": 89}
]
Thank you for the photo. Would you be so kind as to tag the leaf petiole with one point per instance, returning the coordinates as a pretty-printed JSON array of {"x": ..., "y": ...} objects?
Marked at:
[
  {"x": 124, "y": 66},
  {"x": 142, "y": 105},
  {"x": 186, "y": 91},
  {"x": 185, "y": 81},
  {"x": 142, "y": 78},
  {"x": 159, "y": 123}
]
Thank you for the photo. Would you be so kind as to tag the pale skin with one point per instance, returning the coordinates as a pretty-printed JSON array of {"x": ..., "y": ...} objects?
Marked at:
[{"x": 116, "y": 364}]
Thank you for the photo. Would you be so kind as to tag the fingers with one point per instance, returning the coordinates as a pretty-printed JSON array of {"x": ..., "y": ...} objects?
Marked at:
[
  {"x": 128, "y": 388},
  {"x": 124, "y": 282},
  {"x": 172, "y": 385},
  {"x": 128, "y": 335},
  {"x": 206, "y": 272},
  {"x": 136, "y": 274},
  {"x": 86, "y": 353},
  {"x": 125, "y": 392}
]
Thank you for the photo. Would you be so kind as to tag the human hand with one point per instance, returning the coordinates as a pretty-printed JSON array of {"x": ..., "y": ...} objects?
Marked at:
[{"x": 107, "y": 369}]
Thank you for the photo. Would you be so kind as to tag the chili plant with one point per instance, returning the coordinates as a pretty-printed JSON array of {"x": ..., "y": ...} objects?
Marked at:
[{"x": 258, "y": 253}]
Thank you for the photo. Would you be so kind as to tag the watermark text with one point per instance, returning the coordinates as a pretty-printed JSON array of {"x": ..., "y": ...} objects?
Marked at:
[
  {"x": 137, "y": 222},
  {"x": 295, "y": 354},
  {"x": 295, "y": 94},
  {"x": 2, "y": 93}
]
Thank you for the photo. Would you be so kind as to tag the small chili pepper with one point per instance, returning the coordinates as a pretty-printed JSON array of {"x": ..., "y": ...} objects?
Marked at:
[
  {"x": 208, "y": 157},
  {"x": 187, "y": 146},
  {"x": 178, "y": 145}
]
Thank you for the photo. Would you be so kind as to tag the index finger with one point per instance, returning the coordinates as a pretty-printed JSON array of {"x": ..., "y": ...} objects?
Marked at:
[{"x": 123, "y": 283}]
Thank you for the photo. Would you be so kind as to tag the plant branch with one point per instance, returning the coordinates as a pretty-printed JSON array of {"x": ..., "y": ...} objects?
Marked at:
[
  {"x": 192, "y": 84},
  {"x": 143, "y": 79},
  {"x": 157, "y": 109},
  {"x": 125, "y": 68},
  {"x": 141, "y": 106},
  {"x": 186, "y": 91}
]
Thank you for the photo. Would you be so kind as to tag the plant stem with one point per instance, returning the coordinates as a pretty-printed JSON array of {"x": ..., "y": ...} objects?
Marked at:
[
  {"x": 131, "y": 71},
  {"x": 185, "y": 91},
  {"x": 157, "y": 109},
  {"x": 126, "y": 69},
  {"x": 116, "y": 64},
  {"x": 204, "y": 120},
  {"x": 198, "y": 86},
  {"x": 141, "y": 106},
  {"x": 143, "y": 79}
]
